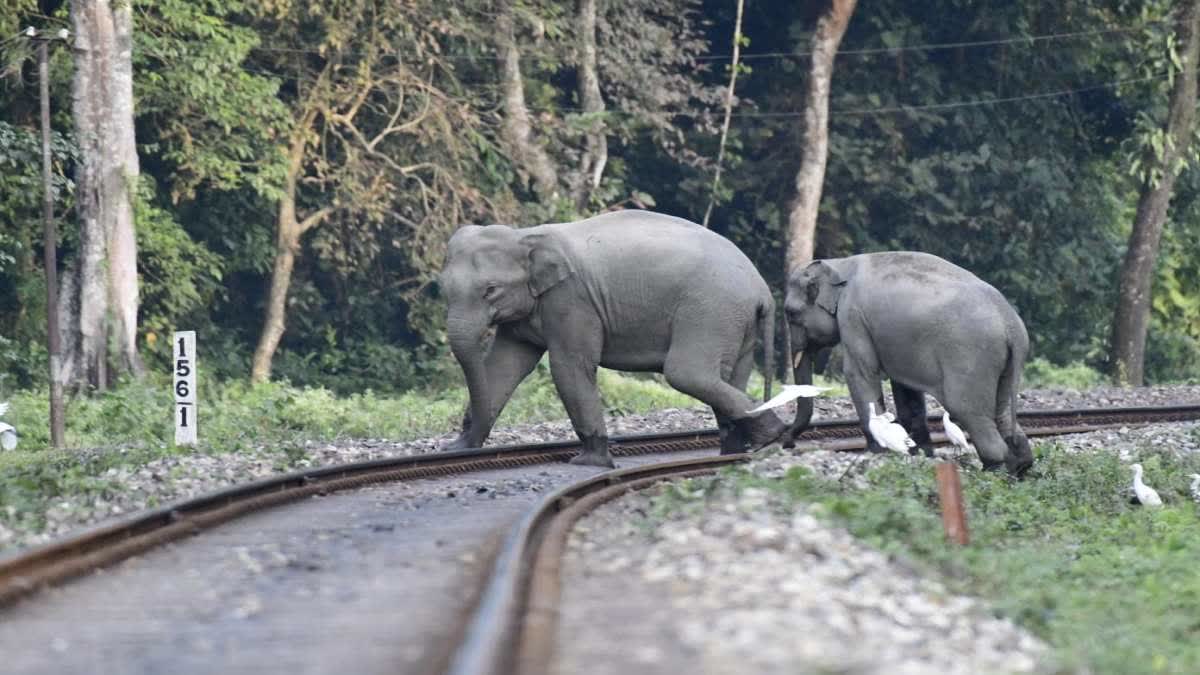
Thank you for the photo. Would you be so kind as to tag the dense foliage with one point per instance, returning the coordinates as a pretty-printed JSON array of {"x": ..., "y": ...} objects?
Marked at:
[{"x": 395, "y": 108}]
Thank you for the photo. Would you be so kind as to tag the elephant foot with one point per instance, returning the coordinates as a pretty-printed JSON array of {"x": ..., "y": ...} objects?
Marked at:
[
  {"x": 603, "y": 459},
  {"x": 989, "y": 465},
  {"x": 788, "y": 440},
  {"x": 733, "y": 439},
  {"x": 460, "y": 443},
  {"x": 595, "y": 453},
  {"x": 1019, "y": 457},
  {"x": 1017, "y": 466},
  {"x": 761, "y": 430}
]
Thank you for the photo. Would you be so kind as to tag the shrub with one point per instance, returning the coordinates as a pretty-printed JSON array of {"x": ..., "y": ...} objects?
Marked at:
[{"x": 1042, "y": 374}]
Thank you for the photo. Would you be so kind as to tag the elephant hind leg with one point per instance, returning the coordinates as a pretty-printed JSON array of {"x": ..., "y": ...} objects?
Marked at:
[
  {"x": 986, "y": 436},
  {"x": 733, "y": 436},
  {"x": 910, "y": 411},
  {"x": 974, "y": 405},
  {"x": 697, "y": 372},
  {"x": 1020, "y": 455}
]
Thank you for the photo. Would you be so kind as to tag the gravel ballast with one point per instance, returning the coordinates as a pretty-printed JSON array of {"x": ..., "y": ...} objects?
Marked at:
[
  {"x": 745, "y": 587},
  {"x": 132, "y": 488},
  {"x": 751, "y": 584},
  {"x": 747, "y": 583}
]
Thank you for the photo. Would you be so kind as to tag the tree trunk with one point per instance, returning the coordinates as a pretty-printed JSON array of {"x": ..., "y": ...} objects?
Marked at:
[
  {"x": 106, "y": 281},
  {"x": 1132, "y": 316},
  {"x": 517, "y": 129},
  {"x": 733, "y": 71},
  {"x": 595, "y": 155},
  {"x": 802, "y": 217},
  {"x": 288, "y": 231}
]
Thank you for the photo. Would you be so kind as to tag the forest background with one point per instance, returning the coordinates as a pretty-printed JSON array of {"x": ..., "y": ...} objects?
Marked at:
[{"x": 302, "y": 164}]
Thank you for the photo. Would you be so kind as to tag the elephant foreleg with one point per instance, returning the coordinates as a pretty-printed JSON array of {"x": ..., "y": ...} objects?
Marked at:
[
  {"x": 508, "y": 363},
  {"x": 910, "y": 412},
  {"x": 574, "y": 373},
  {"x": 576, "y": 383},
  {"x": 865, "y": 388}
]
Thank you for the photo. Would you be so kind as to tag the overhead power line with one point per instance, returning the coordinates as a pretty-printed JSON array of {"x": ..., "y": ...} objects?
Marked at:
[
  {"x": 1028, "y": 39},
  {"x": 897, "y": 108},
  {"x": 977, "y": 102},
  {"x": 884, "y": 110},
  {"x": 866, "y": 51}
]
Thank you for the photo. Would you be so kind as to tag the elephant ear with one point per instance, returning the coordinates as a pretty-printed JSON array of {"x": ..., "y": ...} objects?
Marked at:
[
  {"x": 548, "y": 263},
  {"x": 829, "y": 286}
]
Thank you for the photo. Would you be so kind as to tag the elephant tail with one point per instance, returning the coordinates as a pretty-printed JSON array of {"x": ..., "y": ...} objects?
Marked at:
[
  {"x": 1006, "y": 396},
  {"x": 766, "y": 324}
]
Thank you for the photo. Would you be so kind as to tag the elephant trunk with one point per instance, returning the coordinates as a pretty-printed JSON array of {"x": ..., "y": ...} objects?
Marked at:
[
  {"x": 802, "y": 373},
  {"x": 468, "y": 342}
]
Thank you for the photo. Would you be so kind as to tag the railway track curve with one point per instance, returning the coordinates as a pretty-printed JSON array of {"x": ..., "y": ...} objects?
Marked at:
[
  {"x": 25, "y": 572},
  {"x": 516, "y": 634},
  {"x": 514, "y": 626}
]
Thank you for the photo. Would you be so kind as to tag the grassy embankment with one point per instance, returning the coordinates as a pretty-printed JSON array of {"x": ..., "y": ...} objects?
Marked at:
[{"x": 1113, "y": 587}]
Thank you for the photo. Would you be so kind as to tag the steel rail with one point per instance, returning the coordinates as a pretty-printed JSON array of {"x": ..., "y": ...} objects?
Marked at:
[
  {"x": 25, "y": 572},
  {"x": 497, "y": 641},
  {"x": 514, "y": 625}
]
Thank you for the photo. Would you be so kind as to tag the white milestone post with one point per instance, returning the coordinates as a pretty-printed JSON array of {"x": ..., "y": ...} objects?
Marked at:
[{"x": 185, "y": 387}]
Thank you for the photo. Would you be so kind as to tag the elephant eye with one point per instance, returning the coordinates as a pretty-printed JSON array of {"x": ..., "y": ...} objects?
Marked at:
[
  {"x": 490, "y": 291},
  {"x": 810, "y": 293}
]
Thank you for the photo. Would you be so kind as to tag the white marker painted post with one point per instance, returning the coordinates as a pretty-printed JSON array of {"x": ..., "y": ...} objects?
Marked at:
[{"x": 185, "y": 387}]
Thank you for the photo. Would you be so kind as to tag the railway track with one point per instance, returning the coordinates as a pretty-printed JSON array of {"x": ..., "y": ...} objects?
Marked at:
[
  {"x": 25, "y": 572},
  {"x": 513, "y": 629},
  {"x": 490, "y": 641}
]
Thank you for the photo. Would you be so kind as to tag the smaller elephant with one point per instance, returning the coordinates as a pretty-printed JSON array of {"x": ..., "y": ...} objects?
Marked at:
[
  {"x": 928, "y": 325},
  {"x": 629, "y": 290}
]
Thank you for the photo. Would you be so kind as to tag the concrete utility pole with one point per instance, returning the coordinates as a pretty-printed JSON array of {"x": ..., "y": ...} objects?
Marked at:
[{"x": 50, "y": 242}]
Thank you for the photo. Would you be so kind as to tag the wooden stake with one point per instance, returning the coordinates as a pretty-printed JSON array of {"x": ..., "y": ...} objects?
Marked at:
[{"x": 954, "y": 518}]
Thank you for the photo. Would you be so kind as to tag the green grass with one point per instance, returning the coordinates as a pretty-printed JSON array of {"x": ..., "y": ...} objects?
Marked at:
[{"x": 1113, "y": 587}]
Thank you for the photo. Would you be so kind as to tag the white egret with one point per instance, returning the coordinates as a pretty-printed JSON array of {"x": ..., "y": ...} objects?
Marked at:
[
  {"x": 1144, "y": 493},
  {"x": 887, "y": 433},
  {"x": 790, "y": 392},
  {"x": 954, "y": 432},
  {"x": 1195, "y": 489},
  {"x": 8, "y": 436}
]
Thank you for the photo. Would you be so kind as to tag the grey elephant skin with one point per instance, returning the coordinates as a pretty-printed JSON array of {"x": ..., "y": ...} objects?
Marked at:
[
  {"x": 628, "y": 290},
  {"x": 928, "y": 325}
]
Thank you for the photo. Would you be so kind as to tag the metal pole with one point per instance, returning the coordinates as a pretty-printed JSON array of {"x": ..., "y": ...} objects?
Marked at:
[{"x": 51, "y": 256}]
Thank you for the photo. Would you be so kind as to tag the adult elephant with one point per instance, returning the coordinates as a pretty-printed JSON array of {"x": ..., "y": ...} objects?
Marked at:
[
  {"x": 629, "y": 290},
  {"x": 928, "y": 325}
]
